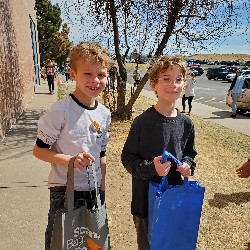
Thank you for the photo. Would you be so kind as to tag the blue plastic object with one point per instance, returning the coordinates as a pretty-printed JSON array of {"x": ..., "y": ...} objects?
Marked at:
[
  {"x": 174, "y": 213},
  {"x": 166, "y": 155}
]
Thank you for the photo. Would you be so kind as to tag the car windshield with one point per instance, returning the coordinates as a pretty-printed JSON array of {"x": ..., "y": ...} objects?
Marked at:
[{"x": 246, "y": 72}]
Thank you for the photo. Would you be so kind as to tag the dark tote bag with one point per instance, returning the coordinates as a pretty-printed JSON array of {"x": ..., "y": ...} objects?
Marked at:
[
  {"x": 80, "y": 228},
  {"x": 174, "y": 215}
]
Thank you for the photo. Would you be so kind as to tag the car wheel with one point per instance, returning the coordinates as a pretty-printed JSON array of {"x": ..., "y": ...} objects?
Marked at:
[
  {"x": 216, "y": 78},
  {"x": 241, "y": 111},
  {"x": 209, "y": 78}
]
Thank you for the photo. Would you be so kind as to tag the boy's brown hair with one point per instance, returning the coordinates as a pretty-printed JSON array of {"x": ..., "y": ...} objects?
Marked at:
[
  {"x": 87, "y": 50},
  {"x": 165, "y": 62}
]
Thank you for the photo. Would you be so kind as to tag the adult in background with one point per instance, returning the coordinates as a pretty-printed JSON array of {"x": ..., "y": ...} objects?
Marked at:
[
  {"x": 136, "y": 76},
  {"x": 49, "y": 73},
  {"x": 112, "y": 77},
  {"x": 189, "y": 93},
  {"x": 67, "y": 72},
  {"x": 236, "y": 90}
]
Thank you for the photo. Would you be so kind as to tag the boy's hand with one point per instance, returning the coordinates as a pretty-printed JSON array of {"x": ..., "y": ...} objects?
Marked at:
[
  {"x": 161, "y": 168},
  {"x": 83, "y": 160},
  {"x": 185, "y": 169}
]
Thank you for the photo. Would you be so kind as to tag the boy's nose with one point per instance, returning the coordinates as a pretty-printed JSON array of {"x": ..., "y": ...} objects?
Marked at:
[{"x": 96, "y": 79}]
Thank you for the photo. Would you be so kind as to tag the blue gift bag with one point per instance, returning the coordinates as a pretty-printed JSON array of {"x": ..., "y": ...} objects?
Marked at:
[{"x": 174, "y": 215}]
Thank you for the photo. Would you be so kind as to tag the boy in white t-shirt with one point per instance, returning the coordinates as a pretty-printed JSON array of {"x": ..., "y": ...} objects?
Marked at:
[{"x": 77, "y": 126}]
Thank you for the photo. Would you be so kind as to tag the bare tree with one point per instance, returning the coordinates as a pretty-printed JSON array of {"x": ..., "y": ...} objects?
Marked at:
[{"x": 160, "y": 26}]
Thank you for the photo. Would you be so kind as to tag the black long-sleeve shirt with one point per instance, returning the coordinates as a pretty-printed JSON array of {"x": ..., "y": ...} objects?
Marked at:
[{"x": 150, "y": 134}]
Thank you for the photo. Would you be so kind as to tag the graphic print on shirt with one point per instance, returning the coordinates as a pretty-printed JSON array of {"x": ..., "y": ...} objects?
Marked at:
[
  {"x": 95, "y": 127},
  {"x": 49, "y": 70}
]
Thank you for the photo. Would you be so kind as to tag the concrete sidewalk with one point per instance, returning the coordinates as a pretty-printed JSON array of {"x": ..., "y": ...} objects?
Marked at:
[{"x": 24, "y": 197}]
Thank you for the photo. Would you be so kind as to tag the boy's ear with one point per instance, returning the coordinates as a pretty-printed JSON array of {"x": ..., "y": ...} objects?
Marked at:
[
  {"x": 72, "y": 74},
  {"x": 152, "y": 84}
]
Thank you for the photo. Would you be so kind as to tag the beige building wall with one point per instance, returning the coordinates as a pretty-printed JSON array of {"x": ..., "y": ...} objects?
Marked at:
[{"x": 17, "y": 75}]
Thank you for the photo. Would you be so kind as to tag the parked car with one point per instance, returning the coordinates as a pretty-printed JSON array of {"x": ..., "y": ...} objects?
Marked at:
[
  {"x": 196, "y": 73},
  {"x": 246, "y": 74},
  {"x": 243, "y": 69},
  {"x": 199, "y": 69},
  {"x": 230, "y": 77},
  {"x": 232, "y": 69},
  {"x": 216, "y": 73},
  {"x": 243, "y": 104},
  {"x": 247, "y": 63}
]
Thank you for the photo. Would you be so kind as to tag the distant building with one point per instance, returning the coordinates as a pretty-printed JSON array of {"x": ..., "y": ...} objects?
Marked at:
[{"x": 19, "y": 59}]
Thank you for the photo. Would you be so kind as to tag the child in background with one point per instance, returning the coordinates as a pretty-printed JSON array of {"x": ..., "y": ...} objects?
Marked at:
[
  {"x": 161, "y": 127},
  {"x": 49, "y": 73},
  {"x": 189, "y": 93},
  {"x": 77, "y": 126}
]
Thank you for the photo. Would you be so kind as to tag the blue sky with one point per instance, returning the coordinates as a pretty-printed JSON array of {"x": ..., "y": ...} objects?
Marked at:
[{"x": 239, "y": 43}]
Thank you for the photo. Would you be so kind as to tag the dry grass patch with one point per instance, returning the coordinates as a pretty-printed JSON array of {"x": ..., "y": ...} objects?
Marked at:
[{"x": 225, "y": 222}]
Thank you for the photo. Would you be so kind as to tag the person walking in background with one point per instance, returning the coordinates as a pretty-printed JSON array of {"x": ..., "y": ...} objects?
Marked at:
[
  {"x": 189, "y": 93},
  {"x": 112, "y": 77},
  {"x": 77, "y": 125},
  {"x": 136, "y": 76},
  {"x": 244, "y": 170},
  {"x": 67, "y": 72},
  {"x": 49, "y": 73},
  {"x": 236, "y": 90},
  {"x": 160, "y": 127}
]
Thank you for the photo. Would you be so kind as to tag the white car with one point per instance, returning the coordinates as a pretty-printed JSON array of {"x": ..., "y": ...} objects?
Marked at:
[
  {"x": 246, "y": 74},
  {"x": 230, "y": 77},
  {"x": 244, "y": 69}
]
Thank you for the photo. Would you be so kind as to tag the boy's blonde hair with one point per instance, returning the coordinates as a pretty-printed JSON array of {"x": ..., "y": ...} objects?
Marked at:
[
  {"x": 165, "y": 62},
  {"x": 87, "y": 50}
]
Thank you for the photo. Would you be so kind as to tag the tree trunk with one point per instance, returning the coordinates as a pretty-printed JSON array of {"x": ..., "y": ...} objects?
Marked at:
[{"x": 128, "y": 108}]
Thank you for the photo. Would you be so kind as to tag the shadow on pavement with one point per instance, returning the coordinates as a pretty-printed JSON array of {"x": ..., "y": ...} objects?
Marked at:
[
  {"x": 21, "y": 138},
  {"x": 222, "y": 200},
  {"x": 226, "y": 114}
]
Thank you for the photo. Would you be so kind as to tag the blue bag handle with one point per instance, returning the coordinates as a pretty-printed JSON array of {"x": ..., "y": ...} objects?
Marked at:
[{"x": 165, "y": 156}]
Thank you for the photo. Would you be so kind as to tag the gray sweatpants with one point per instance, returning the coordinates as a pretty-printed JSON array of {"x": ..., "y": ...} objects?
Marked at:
[{"x": 235, "y": 98}]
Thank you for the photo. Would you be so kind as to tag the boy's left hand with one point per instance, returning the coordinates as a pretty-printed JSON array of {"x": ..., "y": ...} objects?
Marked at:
[
  {"x": 185, "y": 169},
  {"x": 83, "y": 160}
]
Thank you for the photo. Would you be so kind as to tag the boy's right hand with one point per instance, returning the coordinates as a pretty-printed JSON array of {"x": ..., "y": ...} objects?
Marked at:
[
  {"x": 83, "y": 160},
  {"x": 161, "y": 168}
]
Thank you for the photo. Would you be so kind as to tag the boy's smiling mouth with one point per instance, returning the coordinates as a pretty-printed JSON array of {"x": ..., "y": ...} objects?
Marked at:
[{"x": 94, "y": 88}]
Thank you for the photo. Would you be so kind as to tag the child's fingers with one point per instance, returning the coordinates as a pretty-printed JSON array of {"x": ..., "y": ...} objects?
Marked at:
[
  {"x": 89, "y": 156},
  {"x": 83, "y": 160},
  {"x": 185, "y": 170}
]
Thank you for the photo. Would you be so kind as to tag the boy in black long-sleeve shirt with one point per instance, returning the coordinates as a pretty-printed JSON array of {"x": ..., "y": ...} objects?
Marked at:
[{"x": 161, "y": 127}]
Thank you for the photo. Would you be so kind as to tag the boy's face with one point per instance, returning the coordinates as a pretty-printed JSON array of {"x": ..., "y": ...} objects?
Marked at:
[
  {"x": 169, "y": 84},
  {"x": 90, "y": 77}
]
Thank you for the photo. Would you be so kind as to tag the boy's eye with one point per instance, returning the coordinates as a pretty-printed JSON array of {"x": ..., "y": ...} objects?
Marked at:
[
  {"x": 166, "y": 79},
  {"x": 102, "y": 75},
  {"x": 179, "y": 79}
]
